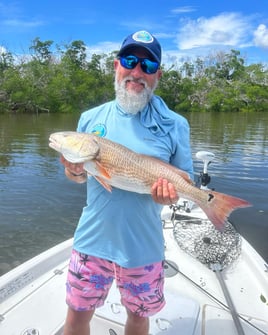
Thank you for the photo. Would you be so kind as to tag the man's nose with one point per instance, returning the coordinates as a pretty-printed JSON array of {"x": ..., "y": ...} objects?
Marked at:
[{"x": 137, "y": 71}]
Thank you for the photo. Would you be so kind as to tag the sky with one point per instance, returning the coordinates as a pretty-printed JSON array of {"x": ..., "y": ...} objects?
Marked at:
[{"x": 185, "y": 29}]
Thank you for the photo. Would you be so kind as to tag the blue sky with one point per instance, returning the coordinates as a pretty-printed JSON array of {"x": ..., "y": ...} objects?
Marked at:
[{"x": 184, "y": 28}]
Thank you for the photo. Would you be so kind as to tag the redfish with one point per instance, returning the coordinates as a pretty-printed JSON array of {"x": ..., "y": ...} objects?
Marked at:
[{"x": 113, "y": 164}]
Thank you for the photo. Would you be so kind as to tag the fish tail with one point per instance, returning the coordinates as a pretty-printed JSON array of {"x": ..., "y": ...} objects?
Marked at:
[{"x": 219, "y": 206}]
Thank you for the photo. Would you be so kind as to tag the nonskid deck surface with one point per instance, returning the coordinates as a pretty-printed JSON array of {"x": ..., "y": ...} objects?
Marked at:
[
  {"x": 34, "y": 293},
  {"x": 179, "y": 315},
  {"x": 28, "y": 311},
  {"x": 216, "y": 320}
]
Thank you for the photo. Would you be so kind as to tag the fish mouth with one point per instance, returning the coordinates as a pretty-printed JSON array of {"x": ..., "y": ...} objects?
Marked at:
[
  {"x": 54, "y": 144},
  {"x": 70, "y": 157}
]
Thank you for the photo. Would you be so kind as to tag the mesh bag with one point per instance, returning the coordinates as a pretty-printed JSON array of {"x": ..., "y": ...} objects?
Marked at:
[{"x": 200, "y": 239}]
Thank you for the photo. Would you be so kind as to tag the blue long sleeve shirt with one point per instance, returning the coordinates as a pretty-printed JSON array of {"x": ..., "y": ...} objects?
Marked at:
[{"x": 125, "y": 227}]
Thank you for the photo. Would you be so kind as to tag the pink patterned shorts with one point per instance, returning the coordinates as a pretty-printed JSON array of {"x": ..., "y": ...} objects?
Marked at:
[{"x": 90, "y": 278}]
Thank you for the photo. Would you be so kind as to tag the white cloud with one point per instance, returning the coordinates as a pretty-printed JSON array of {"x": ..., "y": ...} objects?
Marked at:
[
  {"x": 229, "y": 29},
  {"x": 184, "y": 9},
  {"x": 261, "y": 36},
  {"x": 12, "y": 17},
  {"x": 3, "y": 50},
  {"x": 101, "y": 48},
  {"x": 22, "y": 23}
]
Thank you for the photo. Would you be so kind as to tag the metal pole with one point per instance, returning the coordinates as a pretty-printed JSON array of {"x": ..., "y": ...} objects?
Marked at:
[{"x": 217, "y": 269}]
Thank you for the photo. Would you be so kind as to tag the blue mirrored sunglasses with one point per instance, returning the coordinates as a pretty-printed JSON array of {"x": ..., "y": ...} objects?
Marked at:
[{"x": 130, "y": 62}]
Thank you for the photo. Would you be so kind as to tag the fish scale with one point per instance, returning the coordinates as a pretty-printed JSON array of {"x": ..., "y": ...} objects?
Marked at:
[{"x": 112, "y": 164}]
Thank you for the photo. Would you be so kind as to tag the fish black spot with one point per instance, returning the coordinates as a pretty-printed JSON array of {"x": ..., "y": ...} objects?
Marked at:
[{"x": 210, "y": 197}]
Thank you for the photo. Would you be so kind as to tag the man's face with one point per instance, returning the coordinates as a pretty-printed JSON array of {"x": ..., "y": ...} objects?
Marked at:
[
  {"x": 136, "y": 73},
  {"x": 134, "y": 88}
]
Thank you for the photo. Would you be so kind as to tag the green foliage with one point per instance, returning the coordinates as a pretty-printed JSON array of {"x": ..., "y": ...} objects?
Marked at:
[
  {"x": 67, "y": 81},
  {"x": 41, "y": 50}
]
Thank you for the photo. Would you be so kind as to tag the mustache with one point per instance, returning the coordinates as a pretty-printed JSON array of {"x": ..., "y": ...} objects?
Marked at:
[{"x": 136, "y": 80}]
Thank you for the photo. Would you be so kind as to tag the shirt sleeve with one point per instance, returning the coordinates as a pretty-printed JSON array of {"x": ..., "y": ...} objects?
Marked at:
[
  {"x": 83, "y": 121},
  {"x": 182, "y": 154}
]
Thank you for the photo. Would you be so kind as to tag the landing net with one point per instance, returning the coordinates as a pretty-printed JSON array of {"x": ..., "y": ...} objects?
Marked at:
[{"x": 200, "y": 239}]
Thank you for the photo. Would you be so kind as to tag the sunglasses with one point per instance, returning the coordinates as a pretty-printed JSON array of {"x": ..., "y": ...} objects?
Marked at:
[{"x": 130, "y": 62}]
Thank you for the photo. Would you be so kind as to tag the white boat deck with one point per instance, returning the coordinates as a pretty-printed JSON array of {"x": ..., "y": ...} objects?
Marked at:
[
  {"x": 32, "y": 297},
  {"x": 34, "y": 300}
]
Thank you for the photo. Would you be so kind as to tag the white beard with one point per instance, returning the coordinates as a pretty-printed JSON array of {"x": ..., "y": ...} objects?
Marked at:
[{"x": 130, "y": 101}]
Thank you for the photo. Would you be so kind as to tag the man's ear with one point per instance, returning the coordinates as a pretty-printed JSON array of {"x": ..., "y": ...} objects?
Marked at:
[
  {"x": 116, "y": 63},
  {"x": 159, "y": 74}
]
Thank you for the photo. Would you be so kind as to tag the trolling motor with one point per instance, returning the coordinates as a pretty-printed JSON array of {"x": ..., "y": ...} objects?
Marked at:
[
  {"x": 185, "y": 206},
  {"x": 207, "y": 157}
]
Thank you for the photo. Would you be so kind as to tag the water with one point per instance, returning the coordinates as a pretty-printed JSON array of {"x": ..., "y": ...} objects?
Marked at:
[{"x": 39, "y": 207}]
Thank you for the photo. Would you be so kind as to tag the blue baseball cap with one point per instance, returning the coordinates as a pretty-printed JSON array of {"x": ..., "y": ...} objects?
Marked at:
[{"x": 142, "y": 39}]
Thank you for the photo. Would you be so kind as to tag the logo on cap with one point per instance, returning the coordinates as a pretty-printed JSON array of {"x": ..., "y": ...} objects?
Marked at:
[{"x": 143, "y": 36}]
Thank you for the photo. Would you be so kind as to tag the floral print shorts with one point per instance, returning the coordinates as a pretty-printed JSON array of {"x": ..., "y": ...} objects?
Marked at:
[{"x": 90, "y": 278}]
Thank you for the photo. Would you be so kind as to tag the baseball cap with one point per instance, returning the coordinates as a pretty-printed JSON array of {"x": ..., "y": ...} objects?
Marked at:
[{"x": 144, "y": 40}]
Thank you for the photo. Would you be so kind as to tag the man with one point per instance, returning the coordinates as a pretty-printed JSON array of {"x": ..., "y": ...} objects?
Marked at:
[{"x": 119, "y": 235}]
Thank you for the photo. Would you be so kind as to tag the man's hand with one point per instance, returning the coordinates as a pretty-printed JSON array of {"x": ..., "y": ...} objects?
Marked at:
[
  {"x": 164, "y": 192},
  {"x": 73, "y": 171}
]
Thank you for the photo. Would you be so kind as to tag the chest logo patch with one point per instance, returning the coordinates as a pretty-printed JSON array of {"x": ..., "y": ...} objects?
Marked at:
[{"x": 100, "y": 130}]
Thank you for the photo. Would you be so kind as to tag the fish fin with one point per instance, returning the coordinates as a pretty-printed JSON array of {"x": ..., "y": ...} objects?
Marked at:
[
  {"x": 219, "y": 206},
  {"x": 102, "y": 170},
  {"x": 104, "y": 184},
  {"x": 97, "y": 168}
]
